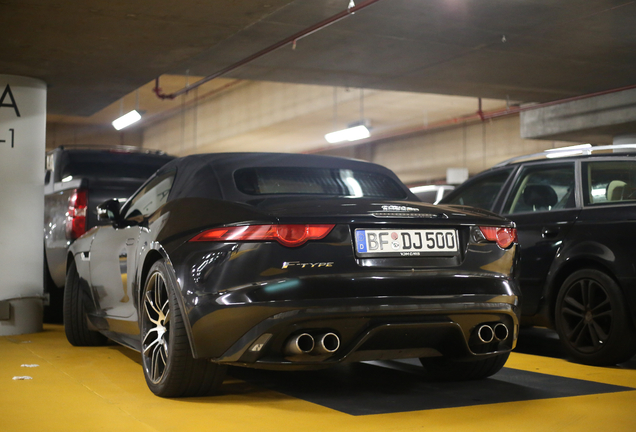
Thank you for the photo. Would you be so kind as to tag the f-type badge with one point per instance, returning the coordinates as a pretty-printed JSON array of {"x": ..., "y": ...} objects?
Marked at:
[{"x": 287, "y": 264}]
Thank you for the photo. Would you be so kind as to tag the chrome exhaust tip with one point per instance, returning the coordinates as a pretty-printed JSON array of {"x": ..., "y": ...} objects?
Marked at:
[
  {"x": 327, "y": 343},
  {"x": 485, "y": 333},
  {"x": 300, "y": 344},
  {"x": 501, "y": 331}
]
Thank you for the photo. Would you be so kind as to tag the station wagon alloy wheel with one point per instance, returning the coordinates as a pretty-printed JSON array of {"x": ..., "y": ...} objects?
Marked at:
[
  {"x": 156, "y": 316},
  {"x": 587, "y": 315},
  {"x": 591, "y": 319}
]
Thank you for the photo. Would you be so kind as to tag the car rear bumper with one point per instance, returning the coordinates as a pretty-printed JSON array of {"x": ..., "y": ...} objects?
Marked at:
[{"x": 244, "y": 327}]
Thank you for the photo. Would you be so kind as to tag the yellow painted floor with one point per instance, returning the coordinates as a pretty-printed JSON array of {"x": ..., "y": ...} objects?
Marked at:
[{"x": 103, "y": 389}]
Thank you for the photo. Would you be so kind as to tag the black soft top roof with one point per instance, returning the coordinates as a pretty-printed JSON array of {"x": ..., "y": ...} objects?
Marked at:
[{"x": 212, "y": 175}]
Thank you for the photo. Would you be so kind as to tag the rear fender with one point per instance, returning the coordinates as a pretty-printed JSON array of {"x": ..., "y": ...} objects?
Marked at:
[
  {"x": 589, "y": 254},
  {"x": 151, "y": 254}
]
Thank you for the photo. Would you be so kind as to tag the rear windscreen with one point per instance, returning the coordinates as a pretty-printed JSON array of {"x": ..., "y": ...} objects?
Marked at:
[
  {"x": 316, "y": 181},
  {"x": 110, "y": 164}
]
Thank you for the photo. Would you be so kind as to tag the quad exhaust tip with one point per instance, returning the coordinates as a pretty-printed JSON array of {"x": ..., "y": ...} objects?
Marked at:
[
  {"x": 327, "y": 343},
  {"x": 501, "y": 331},
  {"x": 305, "y": 343},
  {"x": 300, "y": 344},
  {"x": 487, "y": 334}
]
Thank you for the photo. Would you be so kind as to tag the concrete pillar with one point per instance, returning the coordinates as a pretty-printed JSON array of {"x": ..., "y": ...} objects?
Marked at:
[{"x": 22, "y": 148}]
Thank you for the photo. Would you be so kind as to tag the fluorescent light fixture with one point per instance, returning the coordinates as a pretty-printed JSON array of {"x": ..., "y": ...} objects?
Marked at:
[
  {"x": 127, "y": 119},
  {"x": 567, "y": 151},
  {"x": 350, "y": 134}
]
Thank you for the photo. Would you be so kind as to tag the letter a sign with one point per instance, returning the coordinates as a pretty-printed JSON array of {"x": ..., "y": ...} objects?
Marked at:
[{"x": 7, "y": 94}]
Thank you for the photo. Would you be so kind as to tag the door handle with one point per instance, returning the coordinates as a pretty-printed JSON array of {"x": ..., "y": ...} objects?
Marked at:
[
  {"x": 549, "y": 232},
  {"x": 130, "y": 242}
]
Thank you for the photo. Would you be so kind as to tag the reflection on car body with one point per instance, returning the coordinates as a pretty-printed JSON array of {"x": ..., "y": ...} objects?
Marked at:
[
  {"x": 77, "y": 179},
  {"x": 432, "y": 193},
  {"x": 252, "y": 260}
]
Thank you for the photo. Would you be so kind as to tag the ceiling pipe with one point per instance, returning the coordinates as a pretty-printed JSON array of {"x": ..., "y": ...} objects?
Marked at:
[
  {"x": 468, "y": 118},
  {"x": 480, "y": 112},
  {"x": 191, "y": 102},
  {"x": 291, "y": 39}
]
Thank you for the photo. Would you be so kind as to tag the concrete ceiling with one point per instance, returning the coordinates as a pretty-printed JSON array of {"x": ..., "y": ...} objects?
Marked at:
[{"x": 93, "y": 52}]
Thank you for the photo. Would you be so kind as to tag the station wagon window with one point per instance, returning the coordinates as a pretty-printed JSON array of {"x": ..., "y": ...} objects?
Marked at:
[
  {"x": 609, "y": 182},
  {"x": 151, "y": 197},
  {"x": 543, "y": 188},
  {"x": 316, "y": 181},
  {"x": 482, "y": 193}
]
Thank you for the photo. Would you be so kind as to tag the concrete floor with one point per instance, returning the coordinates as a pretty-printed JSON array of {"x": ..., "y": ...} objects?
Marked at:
[{"x": 103, "y": 389}]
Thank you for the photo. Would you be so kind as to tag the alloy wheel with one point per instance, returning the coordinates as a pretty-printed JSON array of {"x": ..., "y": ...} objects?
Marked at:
[
  {"x": 587, "y": 315},
  {"x": 156, "y": 327}
]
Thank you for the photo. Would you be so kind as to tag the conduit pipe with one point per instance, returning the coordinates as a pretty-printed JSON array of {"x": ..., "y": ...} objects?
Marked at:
[
  {"x": 189, "y": 103},
  {"x": 291, "y": 39}
]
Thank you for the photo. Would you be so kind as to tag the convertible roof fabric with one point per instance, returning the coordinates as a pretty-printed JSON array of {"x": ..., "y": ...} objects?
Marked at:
[{"x": 212, "y": 175}]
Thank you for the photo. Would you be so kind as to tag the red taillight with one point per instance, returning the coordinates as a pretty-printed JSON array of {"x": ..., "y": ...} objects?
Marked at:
[
  {"x": 503, "y": 236},
  {"x": 76, "y": 215},
  {"x": 287, "y": 235}
]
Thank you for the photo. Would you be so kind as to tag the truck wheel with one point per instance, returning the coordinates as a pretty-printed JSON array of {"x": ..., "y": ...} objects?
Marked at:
[{"x": 52, "y": 311}]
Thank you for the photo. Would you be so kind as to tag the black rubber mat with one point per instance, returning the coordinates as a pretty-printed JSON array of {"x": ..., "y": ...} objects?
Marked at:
[
  {"x": 390, "y": 387},
  {"x": 540, "y": 341}
]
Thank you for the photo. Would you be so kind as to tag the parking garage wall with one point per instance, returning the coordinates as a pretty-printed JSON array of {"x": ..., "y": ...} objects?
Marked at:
[
  {"x": 63, "y": 134},
  {"x": 253, "y": 116},
  {"x": 278, "y": 117},
  {"x": 424, "y": 158}
]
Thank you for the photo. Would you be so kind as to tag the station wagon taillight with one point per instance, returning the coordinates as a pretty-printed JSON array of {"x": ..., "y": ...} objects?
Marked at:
[
  {"x": 76, "y": 214},
  {"x": 504, "y": 236},
  {"x": 291, "y": 235}
]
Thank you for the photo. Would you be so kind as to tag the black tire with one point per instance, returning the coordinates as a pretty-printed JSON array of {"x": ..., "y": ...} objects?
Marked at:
[
  {"x": 445, "y": 369},
  {"x": 169, "y": 368},
  {"x": 53, "y": 311},
  {"x": 76, "y": 302},
  {"x": 592, "y": 320}
]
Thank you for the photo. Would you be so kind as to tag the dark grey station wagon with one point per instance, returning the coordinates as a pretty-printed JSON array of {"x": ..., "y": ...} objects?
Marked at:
[{"x": 575, "y": 211}]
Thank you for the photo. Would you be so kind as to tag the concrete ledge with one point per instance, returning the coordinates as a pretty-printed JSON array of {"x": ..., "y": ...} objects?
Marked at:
[
  {"x": 22, "y": 316},
  {"x": 596, "y": 120}
]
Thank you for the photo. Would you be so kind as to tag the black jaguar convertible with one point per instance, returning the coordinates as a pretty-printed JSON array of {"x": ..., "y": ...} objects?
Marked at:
[{"x": 285, "y": 261}]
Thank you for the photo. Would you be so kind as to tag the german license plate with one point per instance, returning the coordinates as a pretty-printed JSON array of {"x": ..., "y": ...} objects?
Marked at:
[{"x": 402, "y": 242}]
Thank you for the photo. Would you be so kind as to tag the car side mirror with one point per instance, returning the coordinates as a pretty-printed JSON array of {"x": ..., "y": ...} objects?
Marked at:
[{"x": 108, "y": 210}]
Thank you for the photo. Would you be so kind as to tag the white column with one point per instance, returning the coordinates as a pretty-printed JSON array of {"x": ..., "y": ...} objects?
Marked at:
[{"x": 22, "y": 149}]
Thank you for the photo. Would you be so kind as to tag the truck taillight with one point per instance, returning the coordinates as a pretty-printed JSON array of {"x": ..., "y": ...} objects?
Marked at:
[{"x": 76, "y": 215}]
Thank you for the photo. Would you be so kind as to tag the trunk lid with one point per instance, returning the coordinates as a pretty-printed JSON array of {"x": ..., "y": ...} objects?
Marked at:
[{"x": 358, "y": 210}]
